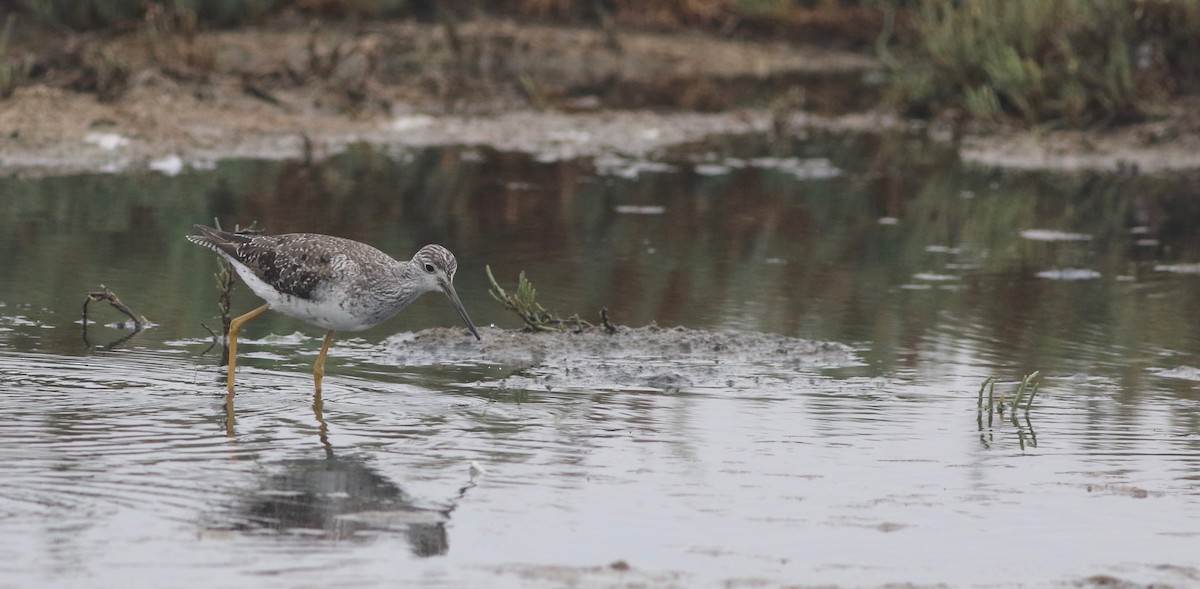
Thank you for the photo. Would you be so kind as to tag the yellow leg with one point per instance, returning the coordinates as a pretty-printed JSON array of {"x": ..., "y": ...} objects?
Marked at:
[
  {"x": 234, "y": 327},
  {"x": 319, "y": 367}
]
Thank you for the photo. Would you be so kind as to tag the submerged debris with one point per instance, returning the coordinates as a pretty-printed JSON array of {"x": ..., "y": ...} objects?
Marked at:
[
  {"x": 136, "y": 324},
  {"x": 104, "y": 294}
]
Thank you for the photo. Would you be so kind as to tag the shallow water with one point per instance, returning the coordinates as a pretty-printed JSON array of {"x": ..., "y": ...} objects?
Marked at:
[{"x": 736, "y": 471}]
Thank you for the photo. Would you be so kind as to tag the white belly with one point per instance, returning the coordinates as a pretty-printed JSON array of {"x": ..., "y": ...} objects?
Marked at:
[{"x": 323, "y": 310}]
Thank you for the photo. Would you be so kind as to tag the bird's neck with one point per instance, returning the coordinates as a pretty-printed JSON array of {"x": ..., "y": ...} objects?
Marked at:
[{"x": 399, "y": 285}]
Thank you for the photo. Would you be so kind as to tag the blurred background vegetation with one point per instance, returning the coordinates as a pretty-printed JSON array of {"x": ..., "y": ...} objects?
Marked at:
[
  {"x": 842, "y": 17},
  {"x": 1064, "y": 63},
  {"x": 1060, "y": 63}
]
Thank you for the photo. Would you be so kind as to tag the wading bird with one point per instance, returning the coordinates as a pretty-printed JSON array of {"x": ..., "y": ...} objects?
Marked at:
[{"x": 334, "y": 283}]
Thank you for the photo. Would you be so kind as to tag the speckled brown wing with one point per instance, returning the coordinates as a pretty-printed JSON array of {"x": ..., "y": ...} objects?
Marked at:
[{"x": 294, "y": 264}]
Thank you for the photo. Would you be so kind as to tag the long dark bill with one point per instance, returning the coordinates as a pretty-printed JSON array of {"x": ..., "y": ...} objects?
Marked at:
[{"x": 448, "y": 289}]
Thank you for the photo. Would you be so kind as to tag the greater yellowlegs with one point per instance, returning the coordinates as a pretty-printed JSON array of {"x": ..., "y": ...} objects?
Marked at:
[{"x": 331, "y": 282}]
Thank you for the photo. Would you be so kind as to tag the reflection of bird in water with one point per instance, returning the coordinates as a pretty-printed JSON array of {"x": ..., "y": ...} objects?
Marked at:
[
  {"x": 331, "y": 282},
  {"x": 342, "y": 497}
]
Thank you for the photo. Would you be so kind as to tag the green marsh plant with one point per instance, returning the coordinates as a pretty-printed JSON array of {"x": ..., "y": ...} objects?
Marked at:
[
  {"x": 1022, "y": 402},
  {"x": 524, "y": 303},
  {"x": 225, "y": 283}
]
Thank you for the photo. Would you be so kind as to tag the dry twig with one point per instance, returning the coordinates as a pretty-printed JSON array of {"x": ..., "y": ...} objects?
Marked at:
[{"x": 107, "y": 295}]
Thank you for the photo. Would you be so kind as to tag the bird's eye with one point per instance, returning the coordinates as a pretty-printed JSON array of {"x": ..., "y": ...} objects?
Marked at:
[{"x": 429, "y": 268}]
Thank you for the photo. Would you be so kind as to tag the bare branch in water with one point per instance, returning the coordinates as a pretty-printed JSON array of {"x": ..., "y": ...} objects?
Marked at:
[
  {"x": 107, "y": 295},
  {"x": 608, "y": 326},
  {"x": 138, "y": 321}
]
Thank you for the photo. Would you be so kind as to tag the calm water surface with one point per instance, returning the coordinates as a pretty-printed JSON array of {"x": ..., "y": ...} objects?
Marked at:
[{"x": 119, "y": 472}]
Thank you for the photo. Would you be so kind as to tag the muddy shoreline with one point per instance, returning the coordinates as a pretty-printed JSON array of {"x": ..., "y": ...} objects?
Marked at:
[{"x": 556, "y": 92}]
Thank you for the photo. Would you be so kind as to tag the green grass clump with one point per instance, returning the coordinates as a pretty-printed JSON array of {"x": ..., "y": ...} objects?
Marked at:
[
  {"x": 994, "y": 404},
  {"x": 1022, "y": 400},
  {"x": 524, "y": 303},
  {"x": 1060, "y": 62}
]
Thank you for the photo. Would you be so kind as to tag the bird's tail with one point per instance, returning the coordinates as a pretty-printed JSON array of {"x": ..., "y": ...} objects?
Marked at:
[{"x": 217, "y": 240}]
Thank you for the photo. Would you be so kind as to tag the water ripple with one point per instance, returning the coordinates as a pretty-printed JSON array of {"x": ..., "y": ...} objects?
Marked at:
[{"x": 121, "y": 449}]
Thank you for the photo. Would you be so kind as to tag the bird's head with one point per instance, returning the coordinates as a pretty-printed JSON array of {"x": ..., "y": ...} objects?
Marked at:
[{"x": 435, "y": 267}]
